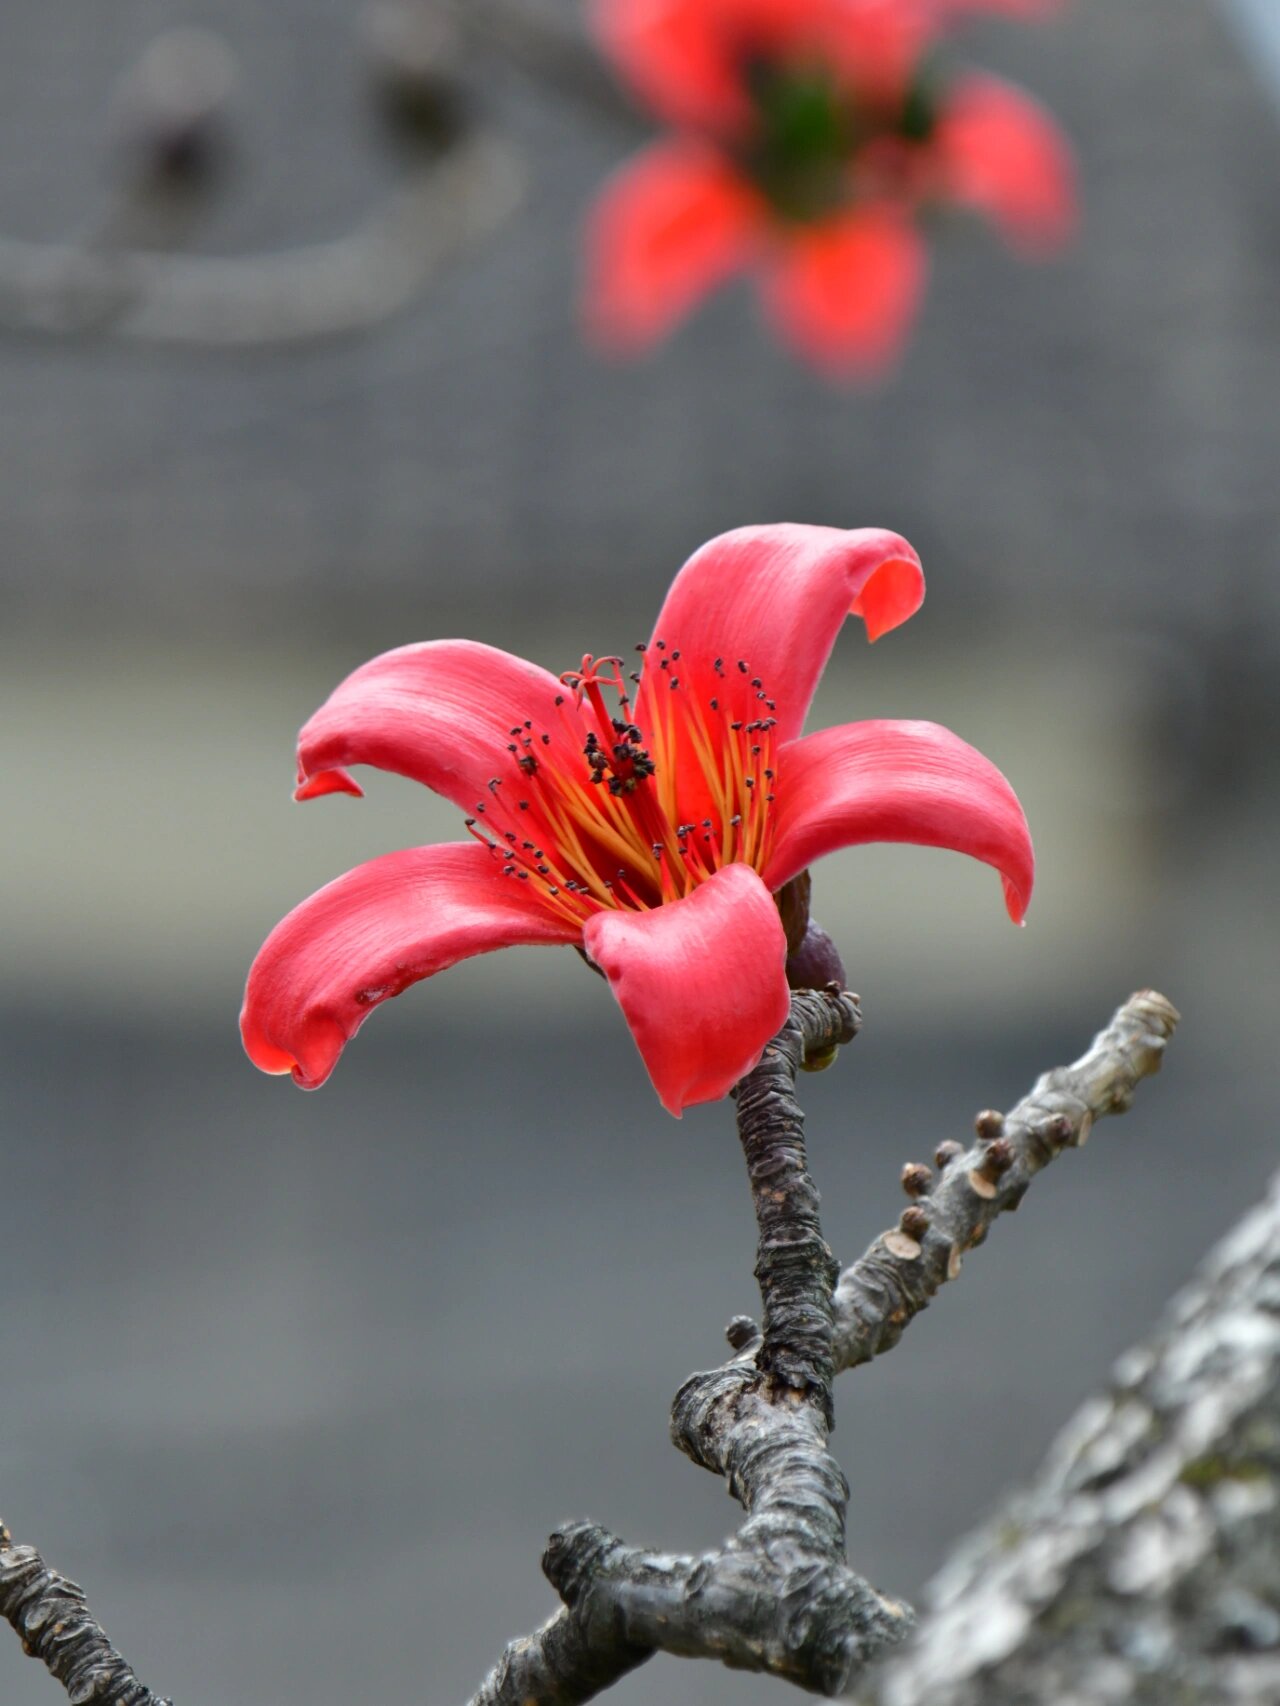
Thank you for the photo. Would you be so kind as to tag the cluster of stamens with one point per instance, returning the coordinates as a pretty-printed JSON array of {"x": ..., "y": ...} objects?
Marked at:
[{"x": 608, "y": 828}]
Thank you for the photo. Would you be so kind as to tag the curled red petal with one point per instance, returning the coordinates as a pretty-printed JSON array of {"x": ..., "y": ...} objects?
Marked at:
[
  {"x": 440, "y": 713},
  {"x": 844, "y": 294},
  {"x": 668, "y": 227},
  {"x": 368, "y": 935},
  {"x": 1000, "y": 152},
  {"x": 773, "y": 598},
  {"x": 700, "y": 981},
  {"x": 901, "y": 782}
]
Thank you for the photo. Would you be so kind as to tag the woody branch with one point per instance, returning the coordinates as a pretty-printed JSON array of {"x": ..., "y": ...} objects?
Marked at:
[{"x": 779, "y": 1595}]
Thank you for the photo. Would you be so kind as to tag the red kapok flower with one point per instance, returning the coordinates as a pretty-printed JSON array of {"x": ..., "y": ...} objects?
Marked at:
[
  {"x": 811, "y": 136},
  {"x": 652, "y": 831}
]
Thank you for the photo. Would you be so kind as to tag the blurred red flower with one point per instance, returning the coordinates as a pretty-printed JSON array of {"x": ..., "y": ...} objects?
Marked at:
[
  {"x": 811, "y": 140},
  {"x": 652, "y": 835}
]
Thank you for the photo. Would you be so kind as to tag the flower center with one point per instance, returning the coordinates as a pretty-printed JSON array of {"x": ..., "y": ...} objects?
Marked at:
[
  {"x": 818, "y": 145},
  {"x": 807, "y": 132},
  {"x": 598, "y": 811}
]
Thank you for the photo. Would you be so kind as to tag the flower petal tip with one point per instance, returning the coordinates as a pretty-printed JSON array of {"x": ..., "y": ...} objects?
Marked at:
[
  {"x": 327, "y": 782},
  {"x": 891, "y": 597},
  {"x": 1016, "y": 901}
]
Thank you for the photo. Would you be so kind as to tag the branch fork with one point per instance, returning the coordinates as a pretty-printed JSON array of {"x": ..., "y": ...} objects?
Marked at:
[{"x": 779, "y": 1595}]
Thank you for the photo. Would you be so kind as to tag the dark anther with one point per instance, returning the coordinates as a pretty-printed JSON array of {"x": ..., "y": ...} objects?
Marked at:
[
  {"x": 914, "y": 1222},
  {"x": 988, "y": 1123},
  {"x": 675, "y": 656},
  {"x": 523, "y": 876},
  {"x": 469, "y": 821},
  {"x": 742, "y": 666},
  {"x": 756, "y": 681},
  {"x": 642, "y": 647},
  {"x": 524, "y": 805},
  {"x": 715, "y": 704},
  {"x": 528, "y": 764},
  {"x": 661, "y": 645},
  {"x": 546, "y": 740},
  {"x": 741, "y": 1331},
  {"x": 665, "y": 663},
  {"x": 916, "y": 1179},
  {"x": 559, "y": 698},
  {"x": 946, "y": 1152}
]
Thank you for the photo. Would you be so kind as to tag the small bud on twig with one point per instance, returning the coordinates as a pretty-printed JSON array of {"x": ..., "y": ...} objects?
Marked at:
[
  {"x": 914, "y": 1222},
  {"x": 946, "y": 1152},
  {"x": 741, "y": 1331},
  {"x": 998, "y": 1159},
  {"x": 916, "y": 1179},
  {"x": 1059, "y": 1130},
  {"x": 988, "y": 1123}
]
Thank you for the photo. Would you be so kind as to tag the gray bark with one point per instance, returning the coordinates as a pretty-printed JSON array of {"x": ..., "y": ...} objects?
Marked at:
[{"x": 1144, "y": 1563}]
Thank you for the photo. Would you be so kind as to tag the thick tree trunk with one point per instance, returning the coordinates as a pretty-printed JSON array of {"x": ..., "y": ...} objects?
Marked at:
[{"x": 1144, "y": 1564}]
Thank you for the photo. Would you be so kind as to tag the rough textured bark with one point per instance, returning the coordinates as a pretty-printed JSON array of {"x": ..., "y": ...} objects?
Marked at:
[
  {"x": 50, "y": 1617},
  {"x": 1144, "y": 1564}
]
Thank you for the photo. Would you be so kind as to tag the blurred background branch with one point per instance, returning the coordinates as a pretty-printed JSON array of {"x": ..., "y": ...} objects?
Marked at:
[{"x": 174, "y": 114}]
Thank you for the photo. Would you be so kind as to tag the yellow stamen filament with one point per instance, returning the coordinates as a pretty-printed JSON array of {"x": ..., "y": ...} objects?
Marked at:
[{"x": 603, "y": 828}]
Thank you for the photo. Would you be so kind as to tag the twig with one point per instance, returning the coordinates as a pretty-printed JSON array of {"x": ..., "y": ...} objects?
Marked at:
[
  {"x": 886, "y": 1288},
  {"x": 323, "y": 290},
  {"x": 49, "y": 1615},
  {"x": 778, "y": 1596}
]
